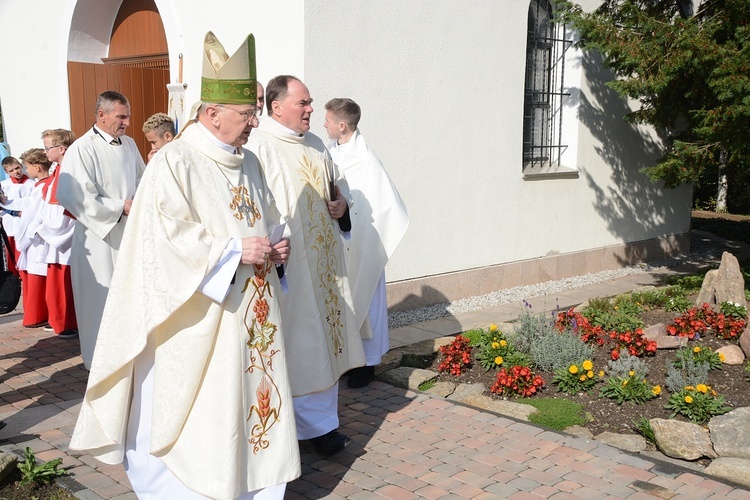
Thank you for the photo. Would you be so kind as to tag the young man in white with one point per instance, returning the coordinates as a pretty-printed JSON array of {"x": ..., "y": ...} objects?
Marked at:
[{"x": 379, "y": 221}]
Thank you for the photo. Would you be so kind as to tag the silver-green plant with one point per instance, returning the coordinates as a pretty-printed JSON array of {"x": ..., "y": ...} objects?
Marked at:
[
  {"x": 625, "y": 364},
  {"x": 553, "y": 350},
  {"x": 531, "y": 327},
  {"x": 691, "y": 373}
]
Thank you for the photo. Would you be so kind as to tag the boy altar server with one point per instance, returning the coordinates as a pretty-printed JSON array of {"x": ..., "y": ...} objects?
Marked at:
[
  {"x": 189, "y": 379},
  {"x": 16, "y": 186},
  {"x": 379, "y": 221}
]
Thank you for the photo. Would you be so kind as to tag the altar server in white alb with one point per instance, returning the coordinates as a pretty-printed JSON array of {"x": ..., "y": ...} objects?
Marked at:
[
  {"x": 189, "y": 380},
  {"x": 323, "y": 341},
  {"x": 96, "y": 185},
  {"x": 379, "y": 221}
]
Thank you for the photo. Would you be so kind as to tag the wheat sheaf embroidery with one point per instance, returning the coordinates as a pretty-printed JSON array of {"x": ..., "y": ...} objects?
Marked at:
[
  {"x": 324, "y": 242},
  {"x": 261, "y": 333}
]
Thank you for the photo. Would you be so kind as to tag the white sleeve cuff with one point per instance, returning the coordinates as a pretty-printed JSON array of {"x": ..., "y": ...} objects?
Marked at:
[{"x": 216, "y": 284}]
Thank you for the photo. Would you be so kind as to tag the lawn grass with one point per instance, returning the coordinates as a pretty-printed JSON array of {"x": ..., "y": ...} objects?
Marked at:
[{"x": 554, "y": 413}]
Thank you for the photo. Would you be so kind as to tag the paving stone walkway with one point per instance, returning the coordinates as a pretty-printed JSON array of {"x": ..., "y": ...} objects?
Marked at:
[{"x": 406, "y": 444}]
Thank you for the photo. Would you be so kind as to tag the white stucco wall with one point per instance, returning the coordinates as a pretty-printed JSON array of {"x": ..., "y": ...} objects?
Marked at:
[{"x": 441, "y": 87}]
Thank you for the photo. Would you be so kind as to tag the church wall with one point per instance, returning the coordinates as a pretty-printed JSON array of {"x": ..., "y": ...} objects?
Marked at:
[
  {"x": 442, "y": 97},
  {"x": 441, "y": 87}
]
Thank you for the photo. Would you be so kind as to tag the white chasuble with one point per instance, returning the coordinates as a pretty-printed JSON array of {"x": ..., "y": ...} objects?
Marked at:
[
  {"x": 323, "y": 340},
  {"x": 222, "y": 419},
  {"x": 95, "y": 180},
  {"x": 379, "y": 219}
]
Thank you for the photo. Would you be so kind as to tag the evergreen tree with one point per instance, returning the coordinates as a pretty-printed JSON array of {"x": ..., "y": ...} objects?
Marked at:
[{"x": 690, "y": 71}]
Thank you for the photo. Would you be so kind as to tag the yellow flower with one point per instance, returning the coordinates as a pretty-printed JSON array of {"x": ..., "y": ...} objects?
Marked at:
[
  {"x": 573, "y": 369},
  {"x": 688, "y": 399},
  {"x": 696, "y": 349},
  {"x": 624, "y": 383},
  {"x": 495, "y": 345},
  {"x": 503, "y": 343},
  {"x": 656, "y": 390},
  {"x": 701, "y": 388},
  {"x": 590, "y": 374},
  {"x": 631, "y": 373},
  {"x": 689, "y": 388},
  {"x": 587, "y": 365},
  {"x": 499, "y": 360},
  {"x": 582, "y": 378},
  {"x": 722, "y": 357},
  {"x": 601, "y": 373},
  {"x": 493, "y": 327}
]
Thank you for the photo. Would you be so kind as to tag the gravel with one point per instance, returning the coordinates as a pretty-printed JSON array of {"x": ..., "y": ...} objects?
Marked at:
[{"x": 702, "y": 249}]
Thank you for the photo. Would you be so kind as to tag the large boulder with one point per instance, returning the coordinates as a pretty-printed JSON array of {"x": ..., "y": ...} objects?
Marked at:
[
  {"x": 730, "y": 433},
  {"x": 725, "y": 284},
  {"x": 732, "y": 469},
  {"x": 745, "y": 341},
  {"x": 682, "y": 440},
  {"x": 733, "y": 354}
]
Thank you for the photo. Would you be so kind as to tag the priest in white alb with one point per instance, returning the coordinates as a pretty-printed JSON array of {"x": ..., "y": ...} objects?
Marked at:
[
  {"x": 189, "y": 383},
  {"x": 97, "y": 182},
  {"x": 379, "y": 221},
  {"x": 323, "y": 340}
]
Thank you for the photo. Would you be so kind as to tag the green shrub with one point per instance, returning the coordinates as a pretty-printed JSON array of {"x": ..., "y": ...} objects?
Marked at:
[
  {"x": 556, "y": 414},
  {"x": 554, "y": 350},
  {"x": 625, "y": 364},
  {"x": 493, "y": 349},
  {"x": 733, "y": 309},
  {"x": 578, "y": 377},
  {"x": 650, "y": 298},
  {"x": 699, "y": 354},
  {"x": 633, "y": 388},
  {"x": 691, "y": 284},
  {"x": 698, "y": 403},
  {"x": 690, "y": 374},
  {"x": 474, "y": 336},
  {"x": 677, "y": 304}
]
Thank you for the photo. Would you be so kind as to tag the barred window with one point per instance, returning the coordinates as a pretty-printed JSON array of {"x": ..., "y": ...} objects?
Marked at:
[{"x": 544, "y": 90}]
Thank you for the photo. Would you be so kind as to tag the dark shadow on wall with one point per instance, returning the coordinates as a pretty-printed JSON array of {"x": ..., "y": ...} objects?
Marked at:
[{"x": 634, "y": 207}]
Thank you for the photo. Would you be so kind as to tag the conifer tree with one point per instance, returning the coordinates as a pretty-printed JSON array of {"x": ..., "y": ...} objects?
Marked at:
[{"x": 690, "y": 71}]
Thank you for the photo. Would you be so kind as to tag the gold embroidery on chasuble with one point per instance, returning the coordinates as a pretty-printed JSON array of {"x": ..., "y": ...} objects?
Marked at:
[
  {"x": 261, "y": 333},
  {"x": 245, "y": 206},
  {"x": 324, "y": 241}
]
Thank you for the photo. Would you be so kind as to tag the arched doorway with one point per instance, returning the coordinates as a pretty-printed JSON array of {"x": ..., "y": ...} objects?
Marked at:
[{"x": 137, "y": 65}]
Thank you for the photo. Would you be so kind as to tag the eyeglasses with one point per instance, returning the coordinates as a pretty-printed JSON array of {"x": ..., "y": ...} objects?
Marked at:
[
  {"x": 246, "y": 115},
  {"x": 46, "y": 149}
]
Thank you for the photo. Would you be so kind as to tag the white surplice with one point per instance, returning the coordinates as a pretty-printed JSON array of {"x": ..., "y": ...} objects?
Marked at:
[
  {"x": 96, "y": 178},
  {"x": 221, "y": 409},
  {"x": 379, "y": 221},
  {"x": 323, "y": 340}
]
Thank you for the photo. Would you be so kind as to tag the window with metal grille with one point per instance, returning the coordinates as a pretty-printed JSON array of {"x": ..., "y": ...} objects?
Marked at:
[{"x": 545, "y": 92}]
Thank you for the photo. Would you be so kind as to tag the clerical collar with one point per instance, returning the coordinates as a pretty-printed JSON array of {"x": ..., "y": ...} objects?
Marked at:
[
  {"x": 226, "y": 147},
  {"x": 101, "y": 133},
  {"x": 287, "y": 129}
]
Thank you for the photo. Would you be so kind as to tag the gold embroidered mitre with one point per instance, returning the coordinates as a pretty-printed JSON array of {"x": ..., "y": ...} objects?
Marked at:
[{"x": 228, "y": 80}]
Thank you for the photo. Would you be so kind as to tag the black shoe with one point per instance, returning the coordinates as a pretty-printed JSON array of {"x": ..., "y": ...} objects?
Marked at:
[
  {"x": 68, "y": 334},
  {"x": 360, "y": 377},
  {"x": 3, "y": 423},
  {"x": 331, "y": 443}
]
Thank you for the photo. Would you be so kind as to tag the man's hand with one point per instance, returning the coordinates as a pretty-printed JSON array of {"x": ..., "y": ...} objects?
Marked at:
[
  {"x": 255, "y": 250},
  {"x": 126, "y": 207},
  {"x": 337, "y": 208},
  {"x": 280, "y": 252}
]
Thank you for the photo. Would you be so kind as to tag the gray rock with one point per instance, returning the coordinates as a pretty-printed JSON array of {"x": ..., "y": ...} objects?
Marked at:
[
  {"x": 407, "y": 377},
  {"x": 733, "y": 354},
  {"x": 730, "y": 433},
  {"x": 745, "y": 341},
  {"x": 725, "y": 284},
  {"x": 578, "y": 431},
  {"x": 464, "y": 391},
  {"x": 630, "y": 442},
  {"x": 653, "y": 332},
  {"x": 508, "y": 408},
  {"x": 682, "y": 440},
  {"x": 8, "y": 463},
  {"x": 442, "y": 389},
  {"x": 732, "y": 469}
]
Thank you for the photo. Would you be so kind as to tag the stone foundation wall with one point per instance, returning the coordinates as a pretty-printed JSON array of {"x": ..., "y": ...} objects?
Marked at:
[{"x": 410, "y": 294}]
